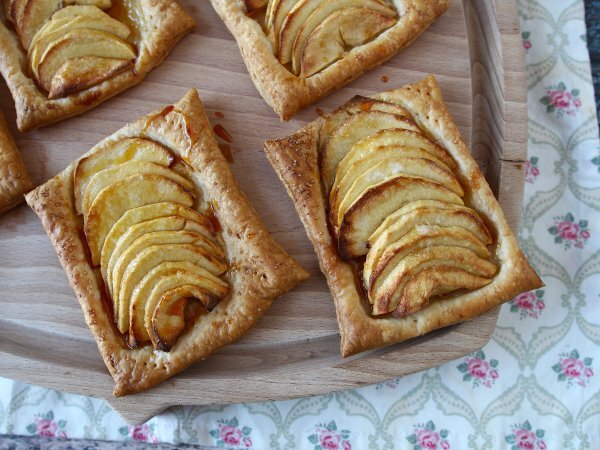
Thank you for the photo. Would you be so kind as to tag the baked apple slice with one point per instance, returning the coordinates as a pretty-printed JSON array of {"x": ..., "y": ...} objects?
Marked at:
[
  {"x": 341, "y": 31},
  {"x": 427, "y": 212},
  {"x": 355, "y": 183},
  {"x": 113, "y": 153},
  {"x": 386, "y": 297},
  {"x": 357, "y": 127},
  {"x": 377, "y": 203},
  {"x": 433, "y": 282},
  {"x": 114, "y": 200},
  {"x": 276, "y": 14},
  {"x": 151, "y": 257},
  {"x": 28, "y": 16},
  {"x": 78, "y": 43},
  {"x": 136, "y": 216},
  {"x": 319, "y": 17},
  {"x": 376, "y": 270},
  {"x": 107, "y": 176}
]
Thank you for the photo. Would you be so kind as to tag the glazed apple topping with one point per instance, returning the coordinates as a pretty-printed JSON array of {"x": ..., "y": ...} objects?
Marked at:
[
  {"x": 71, "y": 45},
  {"x": 396, "y": 206},
  {"x": 160, "y": 258}
]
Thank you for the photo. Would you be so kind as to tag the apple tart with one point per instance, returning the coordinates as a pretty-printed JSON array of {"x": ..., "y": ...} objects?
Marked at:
[
  {"x": 62, "y": 57},
  {"x": 298, "y": 51},
  {"x": 168, "y": 259},
  {"x": 14, "y": 179},
  {"x": 407, "y": 231}
]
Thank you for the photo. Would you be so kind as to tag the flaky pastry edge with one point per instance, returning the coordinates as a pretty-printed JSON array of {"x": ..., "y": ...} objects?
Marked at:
[
  {"x": 286, "y": 93},
  {"x": 295, "y": 160},
  {"x": 164, "y": 23},
  {"x": 260, "y": 269}
]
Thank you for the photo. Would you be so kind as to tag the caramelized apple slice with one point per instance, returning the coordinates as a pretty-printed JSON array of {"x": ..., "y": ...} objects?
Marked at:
[
  {"x": 377, "y": 203},
  {"x": 141, "y": 294},
  {"x": 386, "y": 298},
  {"x": 117, "y": 198},
  {"x": 113, "y": 153},
  {"x": 78, "y": 43},
  {"x": 432, "y": 282},
  {"x": 166, "y": 223},
  {"x": 349, "y": 191},
  {"x": 426, "y": 212},
  {"x": 279, "y": 12},
  {"x": 147, "y": 213},
  {"x": 57, "y": 28},
  {"x": 29, "y": 16},
  {"x": 107, "y": 176},
  {"x": 355, "y": 128},
  {"x": 334, "y": 26},
  {"x": 151, "y": 257},
  {"x": 376, "y": 270}
]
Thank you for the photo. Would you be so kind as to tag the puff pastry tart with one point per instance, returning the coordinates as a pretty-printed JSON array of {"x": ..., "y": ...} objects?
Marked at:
[
  {"x": 168, "y": 259},
  {"x": 297, "y": 51},
  {"x": 14, "y": 179},
  {"x": 406, "y": 229},
  {"x": 62, "y": 57}
]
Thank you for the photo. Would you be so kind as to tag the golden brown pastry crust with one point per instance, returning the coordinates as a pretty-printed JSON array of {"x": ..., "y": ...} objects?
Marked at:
[
  {"x": 260, "y": 269},
  {"x": 295, "y": 160},
  {"x": 162, "y": 24},
  {"x": 14, "y": 179},
  {"x": 287, "y": 93}
]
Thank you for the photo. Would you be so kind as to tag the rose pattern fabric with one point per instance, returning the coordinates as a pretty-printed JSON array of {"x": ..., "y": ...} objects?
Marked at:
[
  {"x": 327, "y": 437},
  {"x": 425, "y": 437},
  {"x": 139, "y": 433},
  {"x": 572, "y": 369},
  {"x": 522, "y": 437},
  {"x": 44, "y": 425},
  {"x": 568, "y": 232},
  {"x": 566, "y": 151},
  {"x": 478, "y": 370},
  {"x": 229, "y": 434},
  {"x": 528, "y": 304},
  {"x": 561, "y": 101},
  {"x": 532, "y": 170}
]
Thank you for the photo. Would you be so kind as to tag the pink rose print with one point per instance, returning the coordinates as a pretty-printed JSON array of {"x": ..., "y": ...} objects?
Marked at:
[
  {"x": 140, "y": 433},
  {"x": 572, "y": 369},
  {"x": 528, "y": 304},
  {"x": 524, "y": 438},
  {"x": 229, "y": 434},
  {"x": 560, "y": 100},
  {"x": 532, "y": 170},
  {"x": 477, "y": 369},
  {"x": 327, "y": 437},
  {"x": 426, "y": 437},
  {"x": 526, "y": 42},
  {"x": 568, "y": 232},
  {"x": 45, "y": 425}
]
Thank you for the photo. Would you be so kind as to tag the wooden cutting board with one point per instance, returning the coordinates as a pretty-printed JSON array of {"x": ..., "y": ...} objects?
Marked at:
[{"x": 475, "y": 51}]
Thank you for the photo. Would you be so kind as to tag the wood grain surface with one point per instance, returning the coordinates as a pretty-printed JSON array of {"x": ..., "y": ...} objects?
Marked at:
[{"x": 474, "y": 50}]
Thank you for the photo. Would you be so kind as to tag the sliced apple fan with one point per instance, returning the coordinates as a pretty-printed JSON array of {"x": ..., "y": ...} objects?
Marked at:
[
  {"x": 166, "y": 271},
  {"x": 389, "y": 194}
]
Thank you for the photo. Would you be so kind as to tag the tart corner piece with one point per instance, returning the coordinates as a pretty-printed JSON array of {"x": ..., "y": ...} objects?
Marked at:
[
  {"x": 298, "y": 51},
  {"x": 14, "y": 179},
  {"x": 185, "y": 264},
  {"x": 60, "y": 59},
  {"x": 433, "y": 255}
]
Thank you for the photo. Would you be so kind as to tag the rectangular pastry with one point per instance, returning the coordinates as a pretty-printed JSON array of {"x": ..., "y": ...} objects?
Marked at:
[
  {"x": 407, "y": 231},
  {"x": 14, "y": 179},
  {"x": 167, "y": 257},
  {"x": 298, "y": 51},
  {"x": 63, "y": 57}
]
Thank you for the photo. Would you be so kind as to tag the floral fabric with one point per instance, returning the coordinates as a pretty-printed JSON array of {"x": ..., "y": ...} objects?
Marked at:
[{"x": 534, "y": 386}]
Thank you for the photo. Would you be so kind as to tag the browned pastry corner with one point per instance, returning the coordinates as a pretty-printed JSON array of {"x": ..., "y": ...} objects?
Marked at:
[
  {"x": 298, "y": 51},
  {"x": 63, "y": 57},
  {"x": 406, "y": 229},
  {"x": 167, "y": 257},
  {"x": 14, "y": 179}
]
